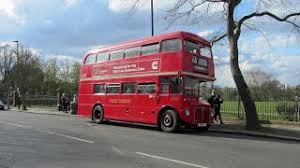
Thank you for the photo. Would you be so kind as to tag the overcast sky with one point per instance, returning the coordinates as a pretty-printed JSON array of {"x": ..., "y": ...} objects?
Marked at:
[{"x": 69, "y": 28}]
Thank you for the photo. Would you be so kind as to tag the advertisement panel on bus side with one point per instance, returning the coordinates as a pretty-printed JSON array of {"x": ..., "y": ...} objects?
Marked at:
[{"x": 152, "y": 65}]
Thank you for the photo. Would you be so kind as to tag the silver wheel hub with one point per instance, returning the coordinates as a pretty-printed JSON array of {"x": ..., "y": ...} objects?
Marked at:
[
  {"x": 167, "y": 120},
  {"x": 97, "y": 114}
]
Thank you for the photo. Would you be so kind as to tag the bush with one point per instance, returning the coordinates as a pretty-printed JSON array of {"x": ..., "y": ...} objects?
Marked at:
[{"x": 287, "y": 111}]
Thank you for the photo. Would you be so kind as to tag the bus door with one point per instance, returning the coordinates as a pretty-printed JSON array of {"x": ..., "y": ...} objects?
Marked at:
[
  {"x": 113, "y": 107},
  {"x": 146, "y": 103},
  {"x": 127, "y": 101},
  {"x": 170, "y": 91}
]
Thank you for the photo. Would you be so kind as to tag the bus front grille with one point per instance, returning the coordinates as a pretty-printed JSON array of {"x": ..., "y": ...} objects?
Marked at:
[{"x": 202, "y": 115}]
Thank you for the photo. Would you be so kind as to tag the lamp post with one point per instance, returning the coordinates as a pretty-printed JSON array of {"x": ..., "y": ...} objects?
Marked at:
[
  {"x": 16, "y": 78},
  {"x": 18, "y": 60},
  {"x": 17, "y": 50},
  {"x": 152, "y": 22}
]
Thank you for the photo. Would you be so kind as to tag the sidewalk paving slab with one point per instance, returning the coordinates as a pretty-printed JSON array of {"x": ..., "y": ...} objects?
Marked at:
[{"x": 267, "y": 131}]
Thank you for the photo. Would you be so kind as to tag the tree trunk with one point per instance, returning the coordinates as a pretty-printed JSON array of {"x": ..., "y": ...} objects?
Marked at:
[
  {"x": 233, "y": 36},
  {"x": 250, "y": 109}
]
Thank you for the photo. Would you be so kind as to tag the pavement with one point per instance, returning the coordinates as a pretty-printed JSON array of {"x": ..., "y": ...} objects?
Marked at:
[
  {"x": 29, "y": 140},
  {"x": 280, "y": 129}
]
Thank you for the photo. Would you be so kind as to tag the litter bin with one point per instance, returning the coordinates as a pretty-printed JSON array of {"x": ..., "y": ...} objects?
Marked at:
[{"x": 73, "y": 108}]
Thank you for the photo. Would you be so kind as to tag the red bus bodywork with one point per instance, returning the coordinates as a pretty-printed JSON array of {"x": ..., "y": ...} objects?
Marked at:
[{"x": 147, "y": 71}]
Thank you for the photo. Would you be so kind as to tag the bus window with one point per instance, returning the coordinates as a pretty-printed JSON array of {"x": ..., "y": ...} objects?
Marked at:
[
  {"x": 102, "y": 57},
  {"x": 170, "y": 45},
  {"x": 128, "y": 87},
  {"x": 150, "y": 49},
  {"x": 175, "y": 84},
  {"x": 164, "y": 85},
  {"x": 191, "y": 47},
  {"x": 99, "y": 88},
  {"x": 131, "y": 52},
  {"x": 113, "y": 88},
  {"x": 191, "y": 86},
  {"x": 90, "y": 59},
  {"x": 205, "y": 51},
  {"x": 116, "y": 55},
  {"x": 146, "y": 88}
]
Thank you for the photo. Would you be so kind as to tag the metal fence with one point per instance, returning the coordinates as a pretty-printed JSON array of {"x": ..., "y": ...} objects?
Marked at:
[
  {"x": 41, "y": 100},
  {"x": 280, "y": 105}
]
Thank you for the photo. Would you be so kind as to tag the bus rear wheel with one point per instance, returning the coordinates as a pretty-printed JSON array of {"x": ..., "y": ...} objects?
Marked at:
[
  {"x": 97, "y": 114},
  {"x": 169, "y": 121}
]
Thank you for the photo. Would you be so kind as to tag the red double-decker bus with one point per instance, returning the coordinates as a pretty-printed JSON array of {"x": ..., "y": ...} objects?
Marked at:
[{"x": 154, "y": 80}]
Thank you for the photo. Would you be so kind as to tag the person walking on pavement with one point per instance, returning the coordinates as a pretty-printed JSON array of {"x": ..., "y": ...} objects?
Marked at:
[
  {"x": 64, "y": 103},
  {"x": 18, "y": 98},
  {"x": 24, "y": 100},
  {"x": 9, "y": 95},
  {"x": 217, "y": 107},
  {"x": 211, "y": 99}
]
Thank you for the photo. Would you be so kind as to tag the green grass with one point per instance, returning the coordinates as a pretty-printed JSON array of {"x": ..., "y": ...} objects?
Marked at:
[{"x": 265, "y": 109}]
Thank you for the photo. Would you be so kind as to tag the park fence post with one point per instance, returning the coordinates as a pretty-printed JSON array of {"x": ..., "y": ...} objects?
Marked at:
[
  {"x": 238, "y": 106},
  {"x": 298, "y": 107}
]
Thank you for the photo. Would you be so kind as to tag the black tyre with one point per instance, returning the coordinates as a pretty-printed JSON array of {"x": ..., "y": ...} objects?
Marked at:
[
  {"x": 97, "y": 114},
  {"x": 169, "y": 121}
]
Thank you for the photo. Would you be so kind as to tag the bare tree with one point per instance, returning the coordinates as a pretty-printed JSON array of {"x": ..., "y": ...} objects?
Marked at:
[
  {"x": 263, "y": 86},
  {"x": 7, "y": 60},
  {"x": 192, "y": 10}
]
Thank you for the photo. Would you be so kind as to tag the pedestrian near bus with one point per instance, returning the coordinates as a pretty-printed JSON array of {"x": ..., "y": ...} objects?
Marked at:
[
  {"x": 18, "y": 98},
  {"x": 217, "y": 107},
  {"x": 64, "y": 103},
  {"x": 211, "y": 99}
]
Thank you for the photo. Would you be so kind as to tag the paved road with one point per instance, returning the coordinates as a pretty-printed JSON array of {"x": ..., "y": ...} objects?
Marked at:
[{"x": 35, "y": 140}]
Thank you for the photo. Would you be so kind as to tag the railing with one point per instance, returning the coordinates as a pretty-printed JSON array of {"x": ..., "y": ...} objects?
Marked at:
[
  {"x": 269, "y": 106},
  {"x": 41, "y": 100}
]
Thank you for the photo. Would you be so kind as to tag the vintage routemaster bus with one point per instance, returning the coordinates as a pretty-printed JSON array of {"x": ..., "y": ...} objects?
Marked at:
[{"x": 154, "y": 80}]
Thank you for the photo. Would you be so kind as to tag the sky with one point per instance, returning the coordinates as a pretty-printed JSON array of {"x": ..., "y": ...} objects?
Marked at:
[{"x": 66, "y": 29}]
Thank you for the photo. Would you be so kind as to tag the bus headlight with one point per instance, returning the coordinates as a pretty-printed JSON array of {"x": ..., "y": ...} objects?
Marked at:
[{"x": 187, "y": 112}]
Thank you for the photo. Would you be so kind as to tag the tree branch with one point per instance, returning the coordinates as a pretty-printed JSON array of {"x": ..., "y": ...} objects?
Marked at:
[
  {"x": 266, "y": 13},
  {"x": 217, "y": 38}
]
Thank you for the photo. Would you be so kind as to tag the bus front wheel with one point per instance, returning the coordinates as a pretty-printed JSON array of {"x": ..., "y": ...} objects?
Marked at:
[
  {"x": 169, "y": 121},
  {"x": 97, "y": 114}
]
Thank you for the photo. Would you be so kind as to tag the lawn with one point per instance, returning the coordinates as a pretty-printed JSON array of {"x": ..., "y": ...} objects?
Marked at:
[{"x": 265, "y": 109}]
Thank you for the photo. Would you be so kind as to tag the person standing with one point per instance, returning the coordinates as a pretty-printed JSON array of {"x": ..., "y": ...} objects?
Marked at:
[
  {"x": 211, "y": 99},
  {"x": 217, "y": 107},
  {"x": 24, "y": 100},
  {"x": 8, "y": 97},
  {"x": 18, "y": 98},
  {"x": 64, "y": 103}
]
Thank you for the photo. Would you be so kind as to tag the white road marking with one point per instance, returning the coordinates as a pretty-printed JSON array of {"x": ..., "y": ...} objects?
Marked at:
[
  {"x": 70, "y": 137},
  {"x": 117, "y": 150},
  {"x": 9, "y": 123},
  {"x": 171, "y": 160},
  {"x": 49, "y": 132}
]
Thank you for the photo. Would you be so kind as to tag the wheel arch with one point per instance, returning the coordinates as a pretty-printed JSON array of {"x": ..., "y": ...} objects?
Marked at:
[{"x": 97, "y": 104}]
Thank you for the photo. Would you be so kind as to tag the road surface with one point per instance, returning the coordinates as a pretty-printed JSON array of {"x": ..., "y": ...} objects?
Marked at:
[{"x": 35, "y": 140}]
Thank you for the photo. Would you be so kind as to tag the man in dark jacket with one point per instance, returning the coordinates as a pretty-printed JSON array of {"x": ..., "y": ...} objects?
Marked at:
[
  {"x": 217, "y": 107},
  {"x": 211, "y": 99},
  {"x": 64, "y": 103}
]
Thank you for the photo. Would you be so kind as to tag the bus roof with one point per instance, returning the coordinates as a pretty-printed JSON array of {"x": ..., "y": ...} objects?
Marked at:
[{"x": 149, "y": 40}]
